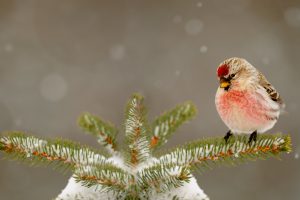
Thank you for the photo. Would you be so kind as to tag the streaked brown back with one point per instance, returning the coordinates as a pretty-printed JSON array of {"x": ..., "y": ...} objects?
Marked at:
[{"x": 274, "y": 95}]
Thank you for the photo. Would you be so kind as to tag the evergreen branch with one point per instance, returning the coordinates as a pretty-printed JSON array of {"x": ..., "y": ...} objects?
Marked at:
[
  {"x": 203, "y": 154},
  {"x": 61, "y": 153},
  {"x": 107, "y": 176},
  {"x": 136, "y": 131},
  {"x": 105, "y": 132},
  {"x": 144, "y": 176},
  {"x": 165, "y": 125},
  {"x": 162, "y": 178}
]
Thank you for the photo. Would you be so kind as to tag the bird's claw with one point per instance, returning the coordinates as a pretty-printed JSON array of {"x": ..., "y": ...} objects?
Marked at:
[
  {"x": 253, "y": 137},
  {"x": 227, "y": 136}
]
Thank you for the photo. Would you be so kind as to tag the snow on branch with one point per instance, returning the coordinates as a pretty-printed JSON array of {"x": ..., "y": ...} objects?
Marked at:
[
  {"x": 136, "y": 131},
  {"x": 204, "y": 153},
  {"x": 108, "y": 176},
  {"x": 162, "y": 178},
  {"x": 133, "y": 172},
  {"x": 59, "y": 152},
  {"x": 104, "y": 131},
  {"x": 165, "y": 125}
]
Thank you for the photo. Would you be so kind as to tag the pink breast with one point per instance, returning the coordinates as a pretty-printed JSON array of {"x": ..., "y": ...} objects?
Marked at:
[{"x": 246, "y": 105}]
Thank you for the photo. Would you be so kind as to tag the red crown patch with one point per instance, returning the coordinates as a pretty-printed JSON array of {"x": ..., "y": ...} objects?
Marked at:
[{"x": 223, "y": 70}]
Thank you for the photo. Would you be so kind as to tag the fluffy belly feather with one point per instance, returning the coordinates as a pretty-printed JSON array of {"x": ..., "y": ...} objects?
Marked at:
[{"x": 245, "y": 112}]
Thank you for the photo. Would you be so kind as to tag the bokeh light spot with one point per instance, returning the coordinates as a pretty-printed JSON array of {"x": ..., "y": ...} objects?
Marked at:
[{"x": 194, "y": 27}]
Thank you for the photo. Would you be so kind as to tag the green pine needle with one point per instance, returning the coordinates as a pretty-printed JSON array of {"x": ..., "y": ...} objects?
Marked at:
[
  {"x": 136, "y": 131},
  {"x": 165, "y": 125},
  {"x": 62, "y": 154},
  {"x": 162, "y": 178},
  {"x": 111, "y": 177},
  {"x": 104, "y": 131},
  {"x": 208, "y": 153}
]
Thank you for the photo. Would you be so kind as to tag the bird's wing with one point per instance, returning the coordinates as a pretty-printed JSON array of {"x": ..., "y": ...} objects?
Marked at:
[{"x": 274, "y": 95}]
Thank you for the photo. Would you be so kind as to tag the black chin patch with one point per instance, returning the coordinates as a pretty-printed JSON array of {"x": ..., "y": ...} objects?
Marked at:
[{"x": 226, "y": 88}]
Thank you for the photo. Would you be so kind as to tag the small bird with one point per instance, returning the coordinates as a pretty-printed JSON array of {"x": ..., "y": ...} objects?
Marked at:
[{"x": 245, "y": 100}]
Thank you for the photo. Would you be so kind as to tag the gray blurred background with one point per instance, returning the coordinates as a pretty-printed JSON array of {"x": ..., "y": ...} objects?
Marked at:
[{"x": 59, "y": 58}]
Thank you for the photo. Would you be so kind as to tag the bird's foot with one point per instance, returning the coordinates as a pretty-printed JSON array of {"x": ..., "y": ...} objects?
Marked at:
[
  {"x": 253, "y": 137},
  {"x": 227, "y": 136}
]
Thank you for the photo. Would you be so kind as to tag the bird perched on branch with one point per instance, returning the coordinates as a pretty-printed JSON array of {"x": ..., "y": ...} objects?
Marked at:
[{"x": 245, "y": 100}]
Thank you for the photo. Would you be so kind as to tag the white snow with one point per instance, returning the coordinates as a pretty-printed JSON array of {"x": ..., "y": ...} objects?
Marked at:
[
  {"x": 73, "y": 190},
  {"x": 156, "y": 131},
  {"x": 189, "y": 191}
]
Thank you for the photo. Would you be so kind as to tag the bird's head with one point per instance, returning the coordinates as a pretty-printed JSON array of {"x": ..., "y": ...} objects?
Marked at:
[{"x": 236, "y": 73}]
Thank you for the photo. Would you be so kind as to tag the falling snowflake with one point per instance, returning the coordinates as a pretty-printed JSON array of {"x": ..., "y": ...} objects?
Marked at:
[
  {"x": 194, "y": 27},
  {"x": 199, "y": 4},
  {"x": 292, "y": 17},
  {"x": 177, "y": 72},
  {"x": 8, "y": 48},
  {"x": 117, "y": 52},
  {"x": 203, "y": 49}
]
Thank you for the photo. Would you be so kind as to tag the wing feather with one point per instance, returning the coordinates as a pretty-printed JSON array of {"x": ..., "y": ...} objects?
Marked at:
[{"x": 274, "y": 95}]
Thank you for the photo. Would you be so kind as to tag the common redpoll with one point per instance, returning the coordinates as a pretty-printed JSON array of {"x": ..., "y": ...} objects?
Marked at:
[{"x": 245, "y": 100}]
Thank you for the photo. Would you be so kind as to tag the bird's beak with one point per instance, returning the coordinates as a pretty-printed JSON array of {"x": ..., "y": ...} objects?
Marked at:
[{"x": 224, "y": 83}]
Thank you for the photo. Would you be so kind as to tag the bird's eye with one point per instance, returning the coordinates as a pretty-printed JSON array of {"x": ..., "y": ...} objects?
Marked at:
[{"x": 232, "y": 75}]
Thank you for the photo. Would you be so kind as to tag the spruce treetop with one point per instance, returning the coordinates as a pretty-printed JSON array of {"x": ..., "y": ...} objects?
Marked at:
[{"x": 134, "y": 170}]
